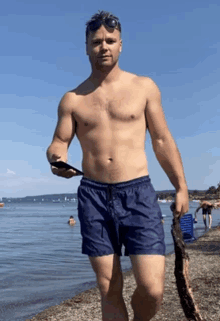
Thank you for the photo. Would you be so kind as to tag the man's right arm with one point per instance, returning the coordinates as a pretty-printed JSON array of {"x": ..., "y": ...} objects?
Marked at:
[
  {"x": 64, "y": 132},
  {"x": 197, "y": 212}
]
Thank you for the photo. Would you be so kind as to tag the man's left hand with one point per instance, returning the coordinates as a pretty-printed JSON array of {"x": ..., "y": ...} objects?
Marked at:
[{"x": 181, "y": 203}]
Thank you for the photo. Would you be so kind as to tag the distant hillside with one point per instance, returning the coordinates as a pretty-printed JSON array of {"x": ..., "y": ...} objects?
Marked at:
[
  {"x": 41, "y": 198},
  {"x": 67, "y": 197}
]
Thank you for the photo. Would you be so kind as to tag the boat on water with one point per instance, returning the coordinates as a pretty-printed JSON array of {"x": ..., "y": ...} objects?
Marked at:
[
  {"x": 161, "y": 201},
  {"x": 165, "y": 201},
  {"x": 2, "y": 204}
]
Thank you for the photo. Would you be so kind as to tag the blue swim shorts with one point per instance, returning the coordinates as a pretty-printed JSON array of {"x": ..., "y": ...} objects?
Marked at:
[
  {"x": 206, "y": 211},
  {"x": 125, "y": 213}
]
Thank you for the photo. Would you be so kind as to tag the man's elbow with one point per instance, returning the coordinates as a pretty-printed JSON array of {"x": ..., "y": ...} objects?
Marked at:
[
  {"x": 56, "y": 149},
  {"x": 160, "y": 143},
  {"x": 165, "y": 141},
  {"x": 49, "y": 153}
]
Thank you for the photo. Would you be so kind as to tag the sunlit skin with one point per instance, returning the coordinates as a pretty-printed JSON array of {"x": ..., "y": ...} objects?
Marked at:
[{"x": 113, "y": 110}]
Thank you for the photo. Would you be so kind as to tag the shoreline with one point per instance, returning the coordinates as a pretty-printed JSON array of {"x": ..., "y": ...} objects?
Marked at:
[{"x": 204, "y": 265}]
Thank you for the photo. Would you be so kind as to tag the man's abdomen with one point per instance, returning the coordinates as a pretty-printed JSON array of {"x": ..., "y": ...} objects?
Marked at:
[{"x": 115, "y": 167}]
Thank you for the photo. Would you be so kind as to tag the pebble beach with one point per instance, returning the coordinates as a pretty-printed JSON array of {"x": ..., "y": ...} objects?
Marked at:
[{"x": 204, "y": 274}]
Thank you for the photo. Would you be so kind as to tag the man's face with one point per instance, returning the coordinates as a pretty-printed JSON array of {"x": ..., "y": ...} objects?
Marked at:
[{"x": 103, "y": 47}]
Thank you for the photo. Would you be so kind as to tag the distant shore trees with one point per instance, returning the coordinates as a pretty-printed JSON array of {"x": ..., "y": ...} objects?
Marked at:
[{"x": 211, "y": 190}]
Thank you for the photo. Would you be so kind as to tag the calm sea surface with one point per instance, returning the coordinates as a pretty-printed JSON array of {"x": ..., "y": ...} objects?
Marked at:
[{"x": 40, "y": 256}]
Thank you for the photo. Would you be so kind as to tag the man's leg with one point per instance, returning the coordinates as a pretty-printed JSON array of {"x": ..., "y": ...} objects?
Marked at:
[
  {"x": 210, "y": 220},
  {"x": 110, "y": 282},
  {"x": 204, "y": 219},
  {"x": 149, "y": 272}
]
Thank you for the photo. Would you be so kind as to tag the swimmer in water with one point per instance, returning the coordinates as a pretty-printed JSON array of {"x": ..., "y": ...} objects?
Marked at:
[{"x": 71, "y": 221}]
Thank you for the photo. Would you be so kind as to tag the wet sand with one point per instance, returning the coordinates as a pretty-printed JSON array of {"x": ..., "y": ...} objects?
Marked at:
[{"x": 204, "y": 271}]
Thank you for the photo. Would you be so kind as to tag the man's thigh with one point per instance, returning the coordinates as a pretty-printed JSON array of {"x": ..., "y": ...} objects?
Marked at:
[{"x": 149, "y": 271}]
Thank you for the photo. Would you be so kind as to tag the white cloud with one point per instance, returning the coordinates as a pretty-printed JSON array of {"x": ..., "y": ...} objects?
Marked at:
[{"x": 10, "y": 172}]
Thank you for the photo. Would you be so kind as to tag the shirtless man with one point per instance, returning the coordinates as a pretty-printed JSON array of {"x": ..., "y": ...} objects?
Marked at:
[
  {"x": 206, "y": 209},
  {"x": 110, "y": 112}
]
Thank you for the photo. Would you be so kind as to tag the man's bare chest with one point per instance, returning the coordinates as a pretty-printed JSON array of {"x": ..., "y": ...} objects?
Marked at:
[{"x": 124, "y": 106}]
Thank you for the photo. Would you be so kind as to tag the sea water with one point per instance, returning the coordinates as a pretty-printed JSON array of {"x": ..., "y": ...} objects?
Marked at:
[{"x": 40, "y": 256}]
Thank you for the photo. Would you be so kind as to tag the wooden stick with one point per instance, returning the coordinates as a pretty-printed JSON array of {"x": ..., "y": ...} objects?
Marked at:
[{"x": 181, "y": 272}]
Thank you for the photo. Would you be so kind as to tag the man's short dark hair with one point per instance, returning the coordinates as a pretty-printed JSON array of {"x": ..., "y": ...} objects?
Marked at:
[{"x": 101, "y": 15}]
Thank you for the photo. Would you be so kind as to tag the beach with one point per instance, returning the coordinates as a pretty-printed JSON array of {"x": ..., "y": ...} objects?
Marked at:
[{"x": 204, "y": 265}]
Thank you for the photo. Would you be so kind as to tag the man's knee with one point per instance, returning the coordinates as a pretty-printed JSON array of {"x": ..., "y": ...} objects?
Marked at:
[
  {"x": 111, "y": 287},
  {"x": 156, "y": 294},
  {"x": 153, "y": 293},
  {"x": 108, "y": 274}
]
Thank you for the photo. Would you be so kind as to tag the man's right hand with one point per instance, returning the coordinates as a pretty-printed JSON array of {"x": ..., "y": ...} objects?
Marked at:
[{"x": 62, "y": 172}]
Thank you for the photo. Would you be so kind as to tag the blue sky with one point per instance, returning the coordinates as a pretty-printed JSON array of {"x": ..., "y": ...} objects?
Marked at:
[{"x": 43, "y": 55}]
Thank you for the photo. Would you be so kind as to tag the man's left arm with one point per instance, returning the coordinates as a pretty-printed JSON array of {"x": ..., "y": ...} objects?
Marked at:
[{"x": 165, "y": 147}]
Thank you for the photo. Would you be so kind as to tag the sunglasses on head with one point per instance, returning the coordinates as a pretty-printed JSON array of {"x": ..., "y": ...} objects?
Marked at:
[{"x": 111, "y": 23}]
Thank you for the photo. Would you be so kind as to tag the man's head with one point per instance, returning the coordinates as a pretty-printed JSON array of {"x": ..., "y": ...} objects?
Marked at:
[
  {"x": 102, "y": 18},
  {"x": 103, "y": 39}
]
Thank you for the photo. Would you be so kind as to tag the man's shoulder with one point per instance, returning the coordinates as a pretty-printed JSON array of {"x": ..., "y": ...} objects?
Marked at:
[
  {"x": 77, "y": 91},
  {"x": 67, "y": 101},
  {"x": 72, "y": 97},
  {"x": 149, "y": 86},
  {"x": 146, "y": 81}
]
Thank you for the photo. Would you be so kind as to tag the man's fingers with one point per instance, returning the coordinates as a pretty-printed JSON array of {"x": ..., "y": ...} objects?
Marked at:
[
  {"x": 58, "y": 171},
  {"x": 181, "y": 212},
  {"x": 63, "y": 172},
  {"x": 70, "y": 173},
  {"x": 177, "y": 211},
  {"x": 178, "y": 214}
]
